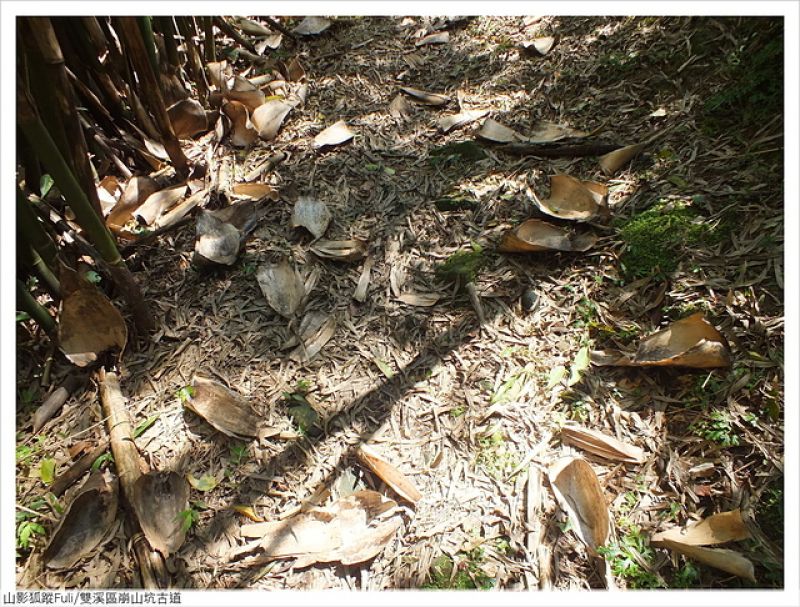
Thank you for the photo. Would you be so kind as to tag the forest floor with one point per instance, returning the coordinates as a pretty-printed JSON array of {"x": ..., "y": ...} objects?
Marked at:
[{"x": 473, "y": 416}]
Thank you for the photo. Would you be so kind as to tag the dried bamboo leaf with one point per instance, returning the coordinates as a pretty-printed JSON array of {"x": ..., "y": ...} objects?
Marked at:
[
  {"x": 312, "y": 344},
  {"x": 610, "y": 358},
  {"x": 217, "y": 74},
  {"x": 247, "y": 511},
  {"x": 424, "y": 300},
  {"x": 311, "y": 26},
  {"x": 136, "y": 192},
  {"x": 399, "y": 107},
  {"x": 539, "y": 46},
  {"x": 250, "y": 27},
  {"x": 360, "y": 294},
  {"x": 340, "y": 250},
  {"x": 447, "y": 123},
  {"x": 435, "y": 38},
  {"x": 158, "y": 499},
  {"x": 86, "y": 522},
  {"x": 256, "y": 190},
  {"x": 188, "y": 118},
  {"x": 88, "y": 323},
  {"x": 158, "y": 203},
  {"x": 493, "y": 131},
  {"x": 601, "y": 444},
  {"x": 180, "y": 210},
  {"x": 252, "y": 99},
  {"x": 272, "y": 41},
  {"x": 243, "y": 131},
  {"x": 156, "y": 149},
  {"x": 571, "y": 198},
  {"x": 613, "y": 161},
  {"x": 223, "y": 409},
  {"x": 716, "y": 529},
  {"x": 352, "y": 530},
  {"x": 578, "y": 491},
  {"x": 534, "y": 235},
  {"x": 690, "y": 342},
  {"x": 547, "y": 132},
  {"x": 269, "y": 117},
  {"x": 719, "y": 558},
  {"x": 335, "y": 134},
  {"x": 424, "y": 97},
  {"x": 311, "y": 214},
  {"x": 389, "y": 474},
  {"x": 282, "y": 287}
]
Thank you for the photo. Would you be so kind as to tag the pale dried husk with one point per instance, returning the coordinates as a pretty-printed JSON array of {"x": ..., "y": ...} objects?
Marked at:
[
  {"x": 158, "y": 499},
  {"x": 601, "y": 444},
  {"x": 269, "y": 117},
  {"x": 88, "y": 323},
  {"x": 447, "y": 123},
  {"x": 424, "y": 97},
  {"x": 86, "y": 522},
  {"x": 340, "y": 250},
  {"x": 389, "y": 474},
  {"x": 243, "y": 132},
  {"x": 221, "y": 408},
  {"x": 573, "y": 199},
  {"x": 534, "y": 235},
  {"x": 311, "y": 26},
  {"x": 493, "y": 131},
  {"x": 282, "y": 287},
  {"x": 335, "y": 134},
  {"x": 188, "y": 118},
  {"x": 716, "y": 529},
  {"x": 613, "y": 161},
  {"x": 311, "y": 214}
]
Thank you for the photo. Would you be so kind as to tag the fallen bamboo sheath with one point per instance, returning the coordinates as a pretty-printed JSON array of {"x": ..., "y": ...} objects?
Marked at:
[
  {"x": 77, "y": 470},
  {"x": 126, "y": 459}
]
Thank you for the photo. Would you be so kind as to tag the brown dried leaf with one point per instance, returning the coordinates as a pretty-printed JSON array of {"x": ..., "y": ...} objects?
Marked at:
[
  {"x": 447, "y": 123},
  {"x": 601, "y": 444},
  {"x": 435, "y": 38},
  {"x": 335, "y": 134},
  {"x": 223, "y": 409},
  {"x": 158, "y": 499},
  {"x": 424, "y": 300},
  {"x": 690, "y": 342},
  {"x": 156, "y": 149},
  {"x": 311, "y": 214},
  {"x": 86, "y": 522},
  {"x": 295, "y": 71},
  {"x": 108, "y": 191},
  {"x": 389, "y": 474},
  {"x": 534, "y": 235},
  {"x": 248, "y": 512},
  {"x": 217, "y": 73},
  {"x": 314, "y": 341},
  {"x": 399, "y": 107},
  {"x": 425, "y": 98},
  {"x": 136, "y": 192},
  {"x": 613, "y": 161},
  {"x": 256, "y": 190},
  {"x": 158, "y": 203},
  {"x": 180, "y": 210},
  {"x": 272, "y": 41},
  {"x": 352, "y": 530},
  {"x": 269, "y": 117},
  {"x": 188, "y": 118},
  {"x": 539, "y": 46},
  {"x": 578, "y": 491},
  {"x": 88, "y": 324},
  {"x": 491, "y": 130},
  {"x": 719, "y": 558},
  {"x": 311, "y": 26},
  {"x": 282, "y": 287},
  {"x": 250, "y": 27},
  {"x": 243, "y": 131},
  {"x": 571, "y": 198},
  {"x": 716, "y": 529},
  {"x": 340, "y": 250},
  {"x": 360, "y": 294}
]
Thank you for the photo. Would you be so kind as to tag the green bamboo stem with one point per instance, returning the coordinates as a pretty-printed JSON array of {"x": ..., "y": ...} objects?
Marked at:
[
  {"x": 76, "y": 151},
  {"x": 151, "y": 92},
  {"x": 27, "y": 303},
  {"x": 34, "y": 233},
  {"x": 146, "y": 30},
  {"x": 39, "y": 267},
  {"x": 91, "y": 222},
  {"x": 33, "y": 172}
]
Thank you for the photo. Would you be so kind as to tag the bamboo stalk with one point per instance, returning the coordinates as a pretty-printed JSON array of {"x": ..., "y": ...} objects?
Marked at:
[
  {"x": 48, "y": 153},
  {"x": 34, "y": 233},
  {"x": 167, "y": 28},
  {"x": 128, "y": 465},
  {"x": 49, "y": 281},
  {"x": 55, "y": 401},
  {"x": 193, "y": 62},
  {"x": 75, "y": 151},
  {"x": 150, "y": 90},
  {"x": 27, "y": 303},
  {"x": 146, "y": 30},
  {"x": 67, "y": 478},
  {"x": 208, "y": 28},
  {"x": 33, "y": 171}
]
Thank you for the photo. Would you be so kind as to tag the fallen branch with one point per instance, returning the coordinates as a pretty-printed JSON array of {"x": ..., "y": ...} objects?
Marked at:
[
  {"x": 229, "y": 30},
  {"x": 548, "y": 150},
  {"x": 129, "y": 249},
  {"x": 77, "y": 470},
  {"x": 282, "y": 29},
  {"x": 56, "y": 400},
  {"x": 265, "y": 166}
]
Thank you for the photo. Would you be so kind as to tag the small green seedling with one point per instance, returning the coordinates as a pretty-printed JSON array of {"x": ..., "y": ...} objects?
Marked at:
[
  {"x": 185, "y": 393},
  {"x": 462, "y": 270}
]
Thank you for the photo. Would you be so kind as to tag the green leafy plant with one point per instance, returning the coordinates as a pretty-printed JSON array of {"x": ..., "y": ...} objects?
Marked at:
[
  {"x": 189, "y": 518},
  {"x": 717, "y": 426},
  {"x": 144, "y": 425},
  {"x": 238, "y": 453},
  {"x": 467, "y": 575},
  {"x": 631, "y": 558},
  {"x": 462, "y": 267},
  {"x": 103, "y": 459},
  {"x": 185, "y": 393}
]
